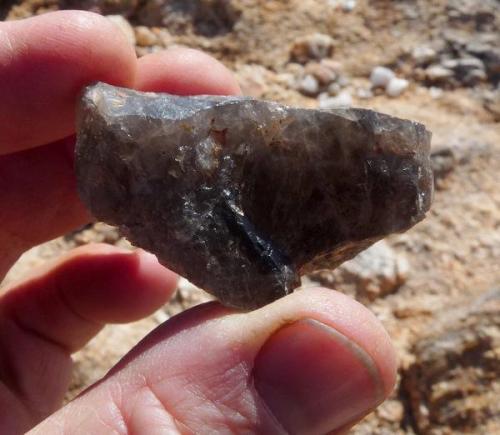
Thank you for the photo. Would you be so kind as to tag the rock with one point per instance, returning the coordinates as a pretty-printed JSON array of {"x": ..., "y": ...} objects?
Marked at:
[
  {"x": 332, "y": 65},
  {"x": 472, "y": 78},
  {"x": 480, "y": 14},
  {"x": 375, "y": 272},
  {"x": 334, "y": 89},
  {"x": 423, "y": 55},
  {"x": 396, "y": 87},
  {"x": 343, "y": 80},
  {"x": 487, "y": 48},
  {"x": 343, "y": 99},
  {"x": 491, "y": 61},
  {"x": 391, "y": 410},
  {"x": 124, "y": 27},
  {"x": 438, "y": 73},
  {"x": 454, "y": 384},
  {"x": 312, "y": 47},
  {"x": 443, "y": 161},
  {"x": 309, "y": 85},
  {"x": 94, "y": 233},
  {"x": 381, "y": 76},
  {"x": 466, "y": 64},
  {"x": 145, "y": 37},
  {"x": 322, "y": 71},
  {"x": 468, "y": 71},
  {"x": 242, "y": 196}
]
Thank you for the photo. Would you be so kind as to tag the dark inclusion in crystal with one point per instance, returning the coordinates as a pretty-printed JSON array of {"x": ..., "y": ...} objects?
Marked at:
[{"x": 242, "y": 196}]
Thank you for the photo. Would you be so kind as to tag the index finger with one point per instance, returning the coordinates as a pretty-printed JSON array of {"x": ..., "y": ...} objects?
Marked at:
[{"x": 44, "y": 63}]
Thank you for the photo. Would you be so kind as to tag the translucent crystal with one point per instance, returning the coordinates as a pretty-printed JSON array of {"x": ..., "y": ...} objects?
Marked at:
[{"x": 242, "y": 196}]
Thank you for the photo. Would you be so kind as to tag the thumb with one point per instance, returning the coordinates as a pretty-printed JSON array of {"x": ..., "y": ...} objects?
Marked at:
[{"x": 314, "y": 362}]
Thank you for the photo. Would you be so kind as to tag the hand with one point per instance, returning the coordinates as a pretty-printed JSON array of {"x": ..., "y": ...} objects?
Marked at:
[{"x": 311, "y": 363}]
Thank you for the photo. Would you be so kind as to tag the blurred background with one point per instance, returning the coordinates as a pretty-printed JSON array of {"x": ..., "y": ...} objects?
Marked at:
[{"x": 435, "y": 288}]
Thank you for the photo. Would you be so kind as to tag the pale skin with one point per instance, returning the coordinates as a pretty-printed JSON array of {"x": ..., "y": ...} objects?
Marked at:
[{"x": 314, "y": 362}]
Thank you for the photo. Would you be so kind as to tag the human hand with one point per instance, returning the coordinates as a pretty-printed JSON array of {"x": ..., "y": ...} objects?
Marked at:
[{"x": 311, "y": 363}]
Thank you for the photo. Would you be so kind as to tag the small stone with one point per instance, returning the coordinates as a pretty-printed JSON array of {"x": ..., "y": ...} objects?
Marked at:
[
  {"x": 343, "y": 99},
  {"x": 391, "y": 410},
  {"x": 145, "y": 37},
  {"x": 334, "y": 89},
  {"x": 423, "y": 55},
  {"x": 343, "y": 80},
  {"x": 312, "y": 47},
  {"x": 396, "y": 87},
  {"x": 321, "y": 72},
  {"x": 381, "y": 76},
  {"x": 255, "y": 79},
  {"x": 332, "y": 65},
  {"x": 165, "y": 39},
  {"x": 466, "y": 64},
  {"x": 438, "y": 73},
  {"x": 124, "y": 27},
  {"x": 242, "y": 196},
  {"x": 349, "y": 5},
  {"x": 468, "y": 71},
  {"x": 375, "y": 272},
  {"x": 472, "y": 78},
  {"x": 309, "y": 85}
]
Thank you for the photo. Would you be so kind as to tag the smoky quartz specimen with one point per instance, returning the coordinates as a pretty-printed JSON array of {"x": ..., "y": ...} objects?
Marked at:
[{"x": 243, "y": 196}]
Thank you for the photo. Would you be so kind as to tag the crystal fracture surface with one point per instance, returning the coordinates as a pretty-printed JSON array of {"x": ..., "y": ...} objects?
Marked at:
[{"x": 242, "y": 196}]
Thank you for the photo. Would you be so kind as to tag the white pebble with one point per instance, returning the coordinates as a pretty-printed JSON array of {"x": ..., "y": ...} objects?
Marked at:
[
  {"x": 349, "y": 5},
  {"x": 309, "y": 85},
  {"x": 381, "y": 76},
  {"x": 423, "y": 54},
  {"x": 343, "y": 99},
  {"x": 396, "y": 87},
  {"x": 437, "y": 72}
]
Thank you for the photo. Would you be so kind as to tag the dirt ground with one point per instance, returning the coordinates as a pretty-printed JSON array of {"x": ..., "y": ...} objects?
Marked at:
[{"x": 443, "y": 312}]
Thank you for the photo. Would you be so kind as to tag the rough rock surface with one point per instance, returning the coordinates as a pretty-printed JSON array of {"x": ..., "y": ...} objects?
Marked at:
[
  {"x": 453, "y": 385},
  {"x": 242, "y": 196},
  {"x": 375, "y": 272}
]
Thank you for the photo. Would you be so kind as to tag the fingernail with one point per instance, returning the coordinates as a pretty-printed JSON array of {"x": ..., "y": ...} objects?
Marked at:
[{"x": 314, "y": 379}]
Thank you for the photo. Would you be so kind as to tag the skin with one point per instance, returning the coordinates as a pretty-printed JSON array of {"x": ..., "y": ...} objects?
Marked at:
[{"x": 314, "y": 362}]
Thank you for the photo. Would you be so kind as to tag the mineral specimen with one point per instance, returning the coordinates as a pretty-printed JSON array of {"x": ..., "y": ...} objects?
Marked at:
[{"x": 242, "y": 196}]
